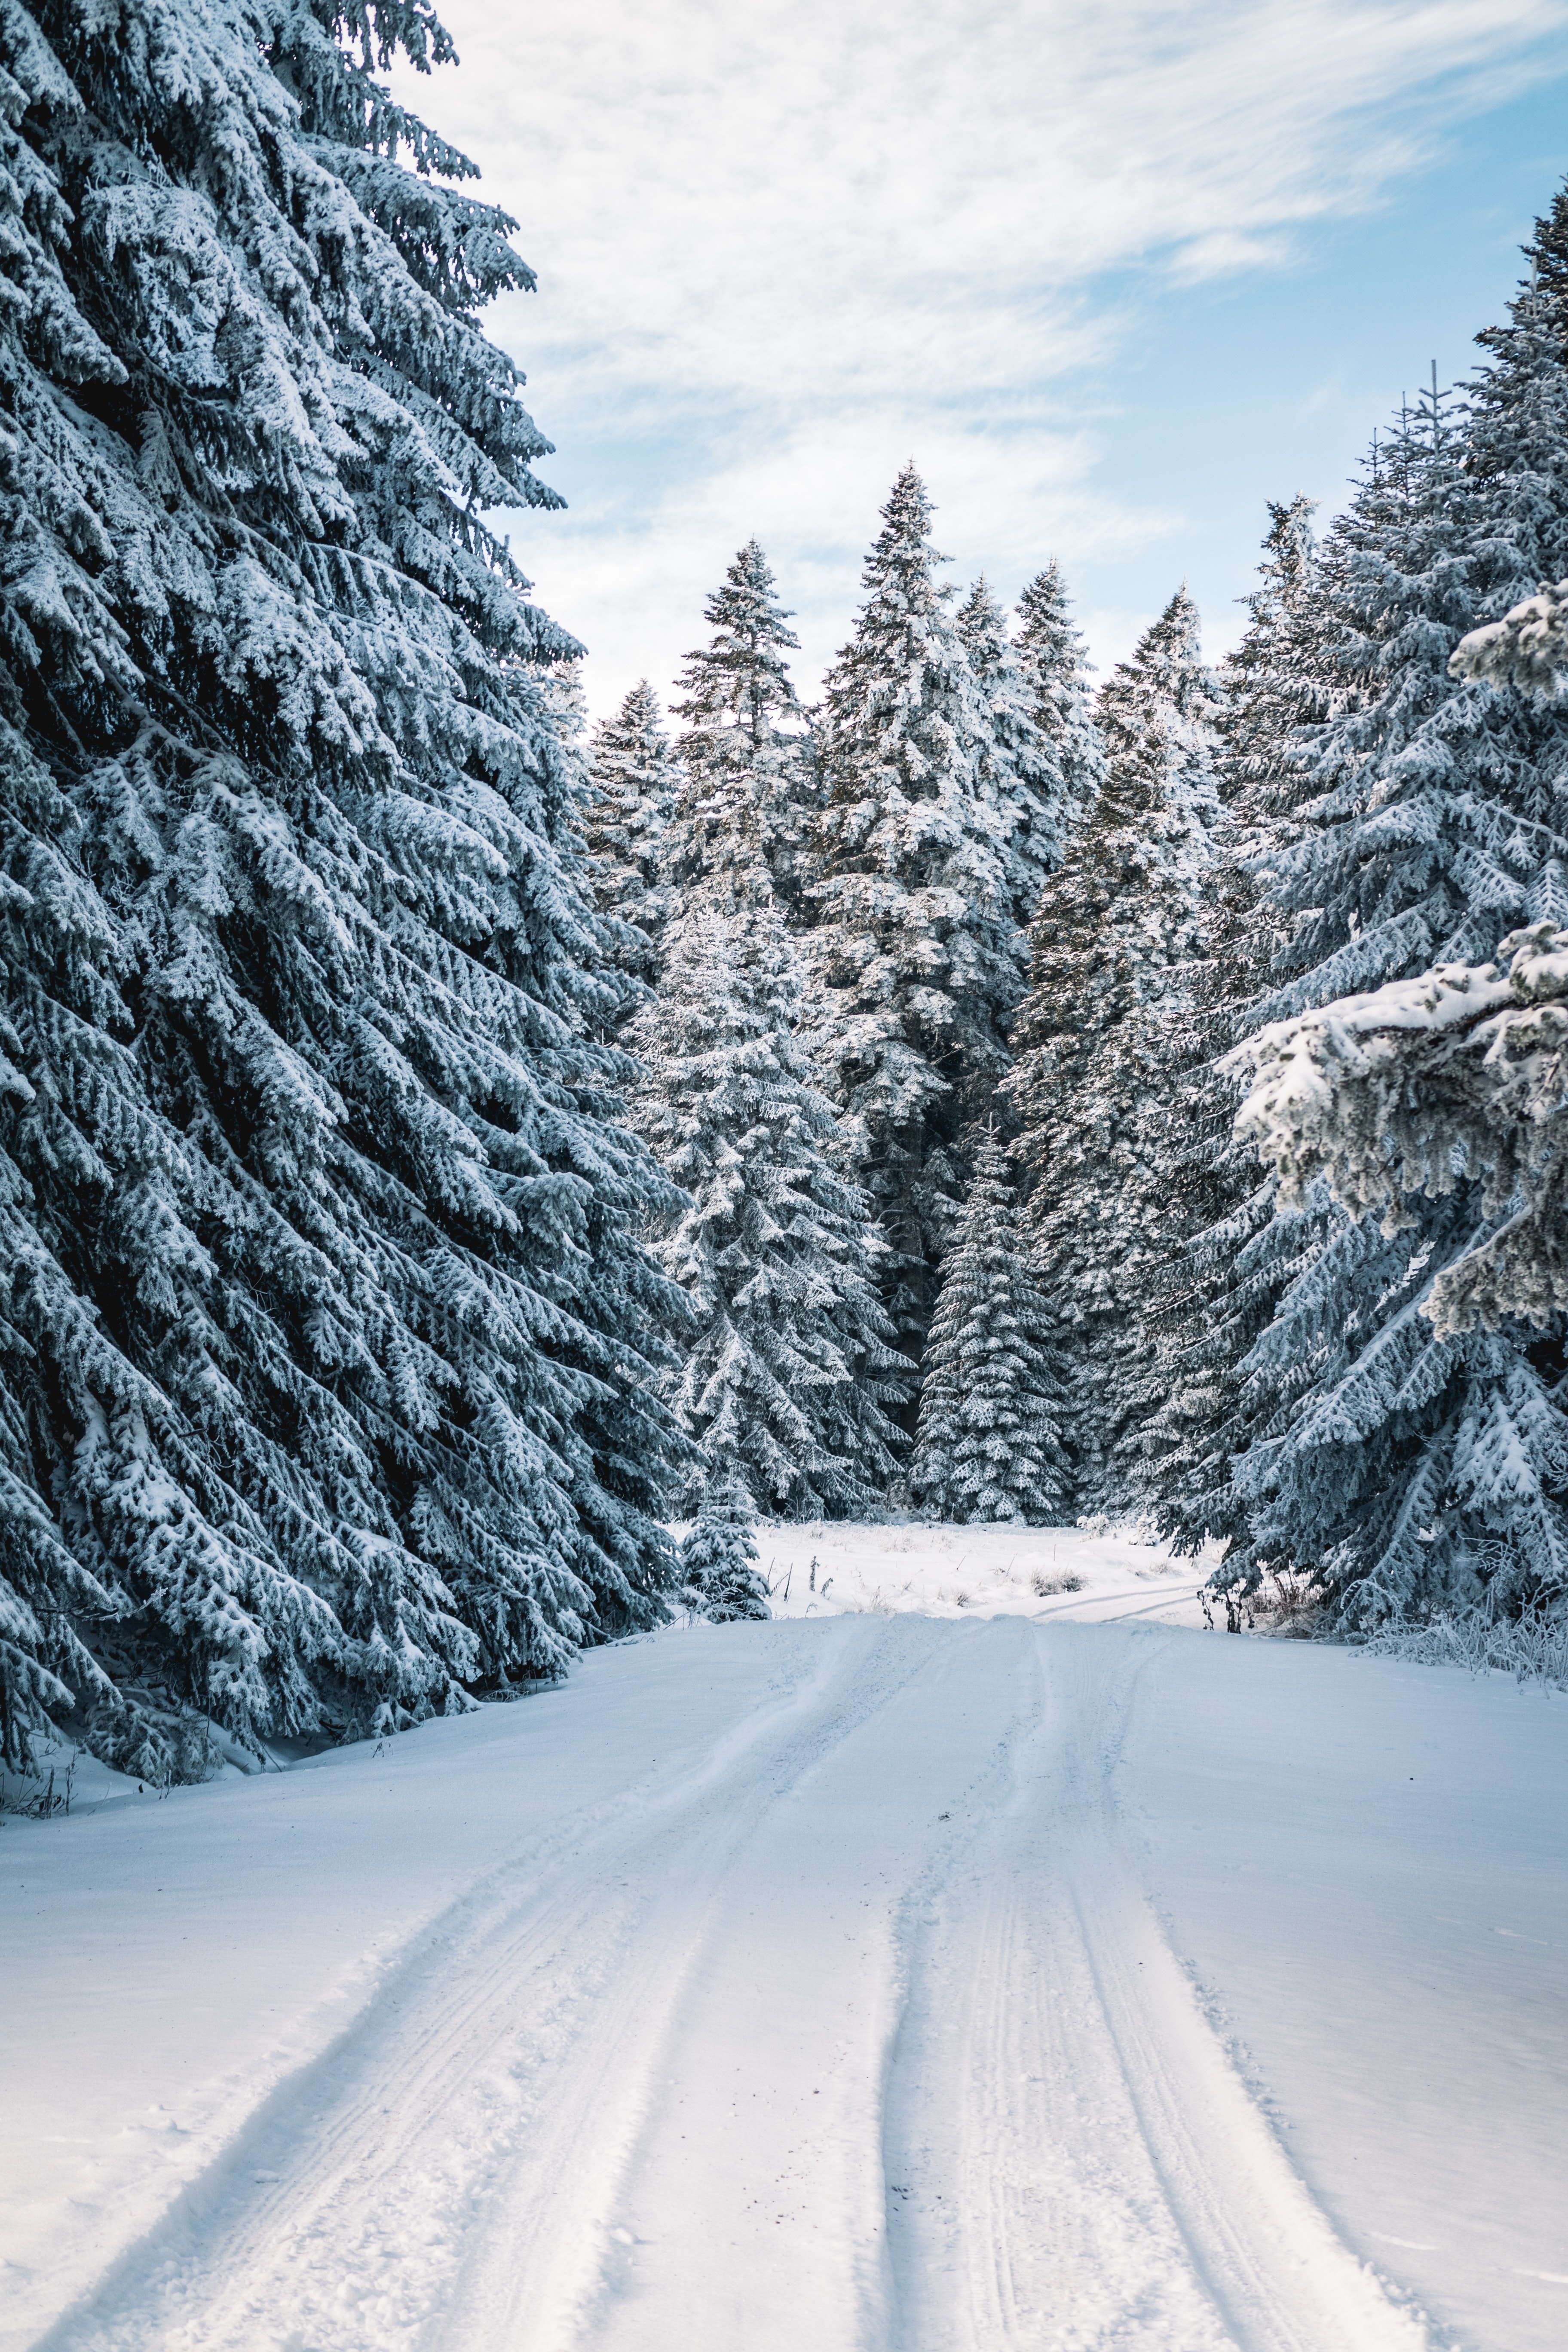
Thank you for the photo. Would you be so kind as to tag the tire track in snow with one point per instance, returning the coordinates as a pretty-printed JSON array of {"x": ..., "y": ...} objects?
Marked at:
[
  {"x": 752, "y": 2204},
  {"x": 858, "y": 2034},
  {"x": 516, "y": 2036},
  {"x": 1104, "y": 2178},
  {"x": 1087, "y": 1609}
]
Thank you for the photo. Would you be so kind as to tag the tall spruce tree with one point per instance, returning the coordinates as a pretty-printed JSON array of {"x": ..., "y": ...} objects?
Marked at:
[
  {"x": 747, "y": 752},
  {"x": 1416, "y": 1464},
  {"x": 327, "y": 1336},
  {"x": 1022, "y": 771},
  {"x": 1291, "y": 1258},
  {"x": 915, "y": 943},
  {"x": 1114, "y": 948},
  {"x": 1054, "y": 662},
  {"x": 784, "y": 1387},
  {"x": 1218, "y": 1293},
  {"x": 635, "y": 778},
  {"x": 989, "y": 1444}
]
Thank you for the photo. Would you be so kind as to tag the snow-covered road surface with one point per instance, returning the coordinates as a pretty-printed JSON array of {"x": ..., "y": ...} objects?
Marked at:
[{"x": 786, "y": 1986}]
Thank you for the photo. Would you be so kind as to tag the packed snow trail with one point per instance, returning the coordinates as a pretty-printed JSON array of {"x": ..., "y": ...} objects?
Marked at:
[
  {"x": 852, "y": 2029},
  {"x": 1072, "y": 2157}
]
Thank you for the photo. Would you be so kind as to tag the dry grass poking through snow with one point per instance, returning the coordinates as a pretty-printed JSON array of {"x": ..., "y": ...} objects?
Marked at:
[{"x": 1533, "y": 1649}]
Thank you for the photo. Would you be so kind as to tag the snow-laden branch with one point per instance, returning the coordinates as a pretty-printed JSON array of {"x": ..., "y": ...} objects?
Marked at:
[
  {"x": 1528, "y": 646},
  {"x": 1419, "y": 1085}
]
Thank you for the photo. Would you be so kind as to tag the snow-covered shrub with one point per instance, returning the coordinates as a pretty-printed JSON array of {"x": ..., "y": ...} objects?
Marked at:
[
  {"x": 1532, "y": 1647},
  {"x": 1288, "y": 1601},
  {"x": 719, "y": 1553}
]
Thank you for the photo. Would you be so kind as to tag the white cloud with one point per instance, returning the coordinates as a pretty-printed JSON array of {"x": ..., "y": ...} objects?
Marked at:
[
  {"x": 811, "y": 495},
  {"x": 780, "y": 246}
]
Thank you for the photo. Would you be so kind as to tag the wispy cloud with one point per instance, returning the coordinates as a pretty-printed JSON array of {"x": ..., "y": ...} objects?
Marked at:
[{"x": 780, "y": 246}]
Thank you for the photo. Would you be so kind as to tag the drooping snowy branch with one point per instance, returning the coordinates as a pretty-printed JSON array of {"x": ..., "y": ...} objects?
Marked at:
[
  {"x": 1418, "y": 1086},
  {"x": 1527, "y": 647}
]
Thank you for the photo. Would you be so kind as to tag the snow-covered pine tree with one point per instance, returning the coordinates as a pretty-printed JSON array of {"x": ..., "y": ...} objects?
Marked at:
[
  {"x": 1022, "y": 771},
  {"x": 785, "y": 1387},
  {"x": 1289, "y": 1256},
  {"x": 327, "y": 1332},
  {"x": 989, "y": 1443},
  {"x": 1218, "y": 1293},
  {"x": 719, "y": 1552},
  {"x": 749, "y": 787},
  {"x": 918, "y": 954},
  {"x": 1052, "y": 657},
  {"x": 1113, "y": 946},
  {"x": 1416, "y": 1465},
  {"x": 634, "y": 777}
]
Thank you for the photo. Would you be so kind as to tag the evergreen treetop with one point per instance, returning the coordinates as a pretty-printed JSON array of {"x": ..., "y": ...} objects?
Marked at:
[
  {"x": 746, "y": 803},
  {"x": 1051, "y": 656},
  {"x": 1126, "y": 909},
  {"x": 914, "y": 939},
  {"x": 741, "y": 678},
  {"x": 1020, "y": 770}
]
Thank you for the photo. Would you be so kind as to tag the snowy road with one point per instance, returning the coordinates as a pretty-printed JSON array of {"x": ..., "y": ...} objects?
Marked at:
[{"x": 849, "y": 2026}]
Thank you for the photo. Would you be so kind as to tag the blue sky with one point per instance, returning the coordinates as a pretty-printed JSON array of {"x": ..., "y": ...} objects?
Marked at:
[
  {"x": 1258, "y": 384},
  {"x": 1114, "y": 275}
]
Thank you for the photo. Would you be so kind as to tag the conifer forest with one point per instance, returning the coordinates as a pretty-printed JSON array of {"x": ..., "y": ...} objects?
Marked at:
[{"x": 466, "y": 1173}]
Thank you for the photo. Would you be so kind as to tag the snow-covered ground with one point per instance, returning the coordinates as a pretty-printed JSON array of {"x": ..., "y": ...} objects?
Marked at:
[
  {"x": 928, "y": 1980},
  {"x": 827, "y": 1569}
]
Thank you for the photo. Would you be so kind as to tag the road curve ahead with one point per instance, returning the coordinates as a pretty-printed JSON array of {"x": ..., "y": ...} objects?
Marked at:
[{"x": 854, "y": 2033}]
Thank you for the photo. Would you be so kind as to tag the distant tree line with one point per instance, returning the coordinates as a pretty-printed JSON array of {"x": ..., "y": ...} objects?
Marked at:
[{"x": 1050, "y": 943}]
